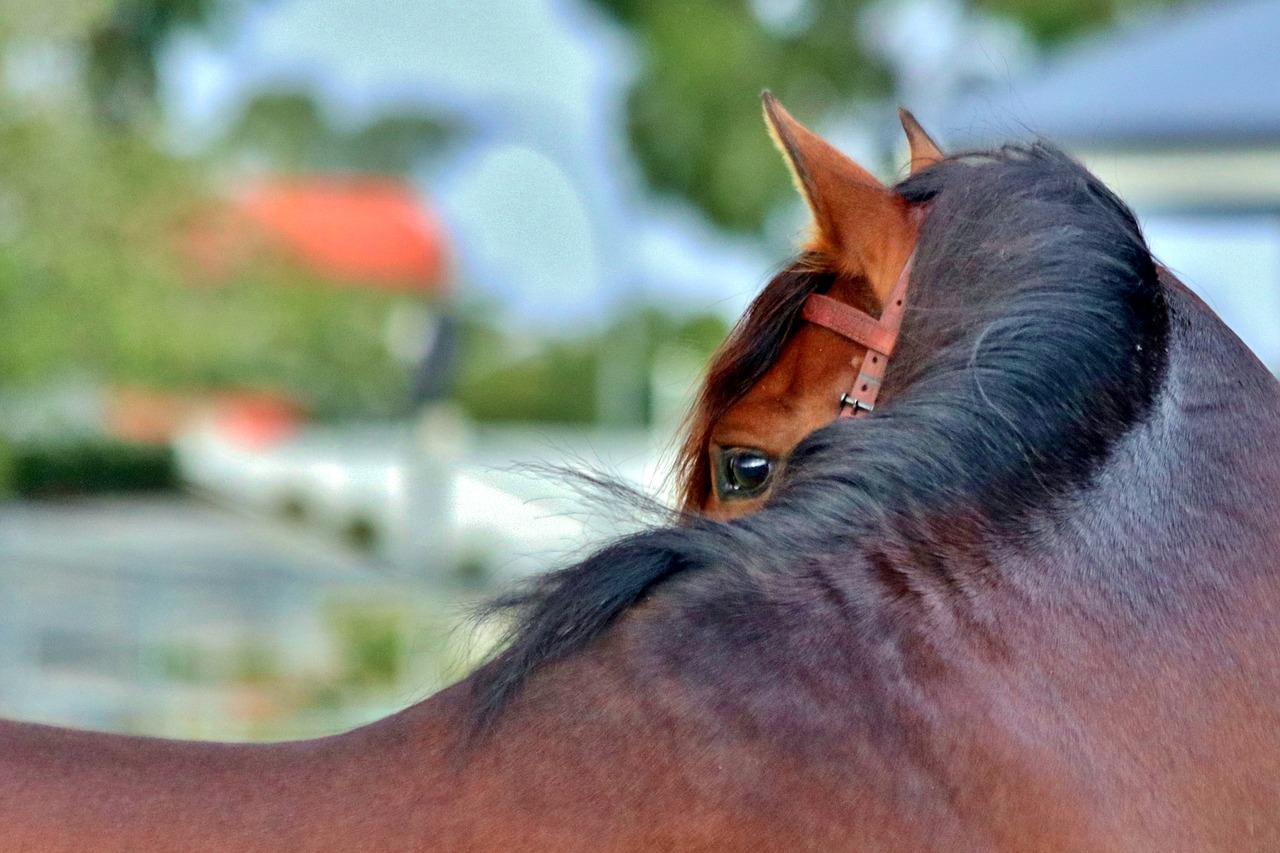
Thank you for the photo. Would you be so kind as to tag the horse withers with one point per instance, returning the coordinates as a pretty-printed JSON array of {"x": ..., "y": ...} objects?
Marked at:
[{"x": 1028, "y": 602}]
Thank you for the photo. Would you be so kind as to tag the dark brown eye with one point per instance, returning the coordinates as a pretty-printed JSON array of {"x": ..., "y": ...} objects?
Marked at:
[{"x": 742, "y": 472}]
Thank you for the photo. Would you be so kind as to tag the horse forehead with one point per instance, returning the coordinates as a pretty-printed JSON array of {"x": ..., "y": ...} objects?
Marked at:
[
  {"x": 752, "y": 416},
  {"x": 807, "y": 365},
  {"x": 794, "y": 397}
]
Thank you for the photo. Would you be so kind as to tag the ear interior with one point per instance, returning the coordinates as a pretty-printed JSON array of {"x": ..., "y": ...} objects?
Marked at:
[{"x": 861, "y": 226}]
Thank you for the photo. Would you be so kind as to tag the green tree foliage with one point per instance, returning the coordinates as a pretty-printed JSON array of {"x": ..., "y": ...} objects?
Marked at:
[
  {"x": 93, "y": 281},
  {"x": 289, "y": 131},
  {"x": 693, "y": 112},
  {"x": 87, "y": 217},
  {"x": 1052, "y": 22},
  {"x": 559, "y": 380},
  {"x": 123, "y": 48},
  {"x": 7, "y": 484}
]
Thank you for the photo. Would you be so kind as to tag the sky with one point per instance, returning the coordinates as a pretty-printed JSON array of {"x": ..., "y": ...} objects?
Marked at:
[{"x": 547, "y": 213}]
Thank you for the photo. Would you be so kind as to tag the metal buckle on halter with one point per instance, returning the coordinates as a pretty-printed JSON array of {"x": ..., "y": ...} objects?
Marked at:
[{"x": 855, "y": 403}]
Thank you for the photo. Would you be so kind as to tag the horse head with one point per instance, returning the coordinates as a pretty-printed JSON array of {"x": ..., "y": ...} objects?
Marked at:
[{"x": 776, "y": 379}]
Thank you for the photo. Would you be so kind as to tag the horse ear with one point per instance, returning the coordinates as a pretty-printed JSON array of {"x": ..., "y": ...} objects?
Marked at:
[
  {"x": 924, "y": 151},
  {"x": 859, "y": 223}
]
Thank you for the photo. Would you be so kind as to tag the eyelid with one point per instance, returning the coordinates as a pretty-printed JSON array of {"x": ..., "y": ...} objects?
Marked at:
[
  {"x": 738, "y": 449},
  {"x": 731, "y": 440}
]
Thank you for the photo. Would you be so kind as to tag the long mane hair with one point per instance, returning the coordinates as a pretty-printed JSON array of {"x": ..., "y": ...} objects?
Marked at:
[{"x": 1035, "y": 336}]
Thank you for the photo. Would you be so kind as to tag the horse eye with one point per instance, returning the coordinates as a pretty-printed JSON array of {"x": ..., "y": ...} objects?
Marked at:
[{"x": 742, "y": 473}]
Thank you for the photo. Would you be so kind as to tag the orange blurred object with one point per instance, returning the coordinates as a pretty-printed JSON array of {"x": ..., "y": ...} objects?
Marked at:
[
  {"x": 251, "y": 419},
  {"x": 346, "y": 229}
]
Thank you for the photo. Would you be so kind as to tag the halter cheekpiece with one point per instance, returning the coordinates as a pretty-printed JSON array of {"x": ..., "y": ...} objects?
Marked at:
[{"x": 878, "y": 336}]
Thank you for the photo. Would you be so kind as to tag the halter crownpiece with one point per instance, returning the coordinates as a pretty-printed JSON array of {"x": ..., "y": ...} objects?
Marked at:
[{"x": 878, "y": 336}]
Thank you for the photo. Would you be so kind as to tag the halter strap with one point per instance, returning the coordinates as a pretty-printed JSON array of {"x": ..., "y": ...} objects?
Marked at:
[{"x": 878, "y": 336}]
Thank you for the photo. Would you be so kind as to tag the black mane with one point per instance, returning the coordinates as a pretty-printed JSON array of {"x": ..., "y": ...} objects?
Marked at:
[{"x": 1035, "y": 337}]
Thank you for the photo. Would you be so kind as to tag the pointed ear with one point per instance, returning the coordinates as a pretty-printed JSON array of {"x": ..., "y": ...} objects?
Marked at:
[
  {"x": 862, "y": 226},
  {"x": 924, "y": 151}
]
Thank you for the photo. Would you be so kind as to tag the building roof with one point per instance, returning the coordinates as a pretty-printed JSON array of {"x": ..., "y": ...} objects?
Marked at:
[
  {"x": 354, "y": 230},
  {"x": 1208, "y": 75}
]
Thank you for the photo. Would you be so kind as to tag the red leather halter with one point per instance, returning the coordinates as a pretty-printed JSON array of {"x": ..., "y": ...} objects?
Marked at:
[{"x": 878, "y": 336}]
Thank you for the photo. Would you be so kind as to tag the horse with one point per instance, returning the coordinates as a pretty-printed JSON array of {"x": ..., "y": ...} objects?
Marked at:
[{"x": 1025, "y": 603}]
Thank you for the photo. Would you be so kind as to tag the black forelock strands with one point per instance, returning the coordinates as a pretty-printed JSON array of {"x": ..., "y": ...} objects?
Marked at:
[{"x": 1035, "y": 336}]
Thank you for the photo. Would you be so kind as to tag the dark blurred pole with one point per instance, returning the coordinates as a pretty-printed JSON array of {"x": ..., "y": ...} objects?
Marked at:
[
  {"x": 439, "y": 441},
  {"x": 434, "y": 373}
]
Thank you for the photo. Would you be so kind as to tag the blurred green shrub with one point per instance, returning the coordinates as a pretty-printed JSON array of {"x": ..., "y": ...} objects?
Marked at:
[
  {"x": 289, "y": 129},
  {"x": 256, "y": 662},
  {"x": 7, "y": 486},
  {"x": 89, "y": 467},
  {"x": 559, "y": 381},
  {"x": 371, "y": 642},
  {"x": 271, "y": 327},
  {"x": 92, "y": 214},
  {"x": 93, "y": 218}
]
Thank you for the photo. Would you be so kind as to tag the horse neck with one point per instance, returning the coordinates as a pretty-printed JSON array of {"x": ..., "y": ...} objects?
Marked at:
[
  {"x": 584, "y": 761},
  {"x": 1192, "y": 492},
  {"x": 1149, "y": 609},
  {"x": 371, "y": 788}
]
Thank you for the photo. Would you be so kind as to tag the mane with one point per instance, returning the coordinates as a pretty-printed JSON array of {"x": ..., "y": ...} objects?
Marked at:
[{"x": 1035, "y": 337}]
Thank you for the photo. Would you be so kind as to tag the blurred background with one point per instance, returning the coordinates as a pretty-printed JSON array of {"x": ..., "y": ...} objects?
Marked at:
[{"x": 294, "y": 292}]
